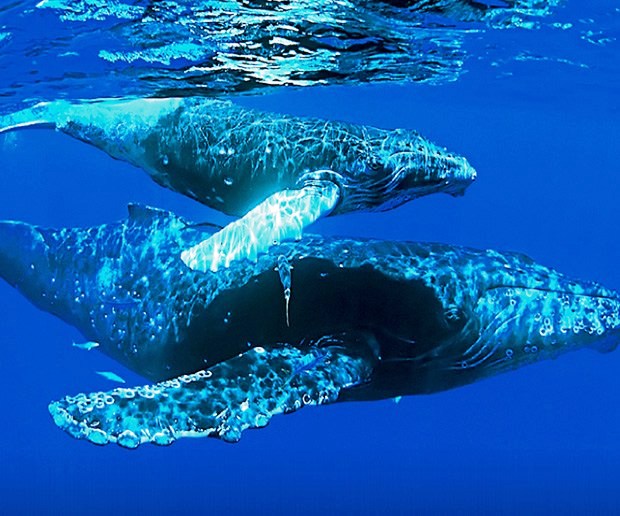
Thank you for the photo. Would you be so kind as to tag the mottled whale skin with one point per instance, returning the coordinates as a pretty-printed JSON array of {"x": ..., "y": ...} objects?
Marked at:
[
  {"x": 364, "y": 319},
  {"x": 232, "y": 158},
  {"x": 279, "y": 172}
]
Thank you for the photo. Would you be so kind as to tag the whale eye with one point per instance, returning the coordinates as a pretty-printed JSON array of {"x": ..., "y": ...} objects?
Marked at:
[{"x": 374, "y": 164}]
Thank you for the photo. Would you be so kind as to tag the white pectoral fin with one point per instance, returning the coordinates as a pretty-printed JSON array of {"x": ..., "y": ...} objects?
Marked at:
[{"x": 282, "y": 216}]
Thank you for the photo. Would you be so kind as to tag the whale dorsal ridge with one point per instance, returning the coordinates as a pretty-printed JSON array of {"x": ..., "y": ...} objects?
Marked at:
[{"x": 143, "y": 213}]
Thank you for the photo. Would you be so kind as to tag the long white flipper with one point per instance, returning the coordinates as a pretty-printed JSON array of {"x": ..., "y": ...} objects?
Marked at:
[{"x": 282, "y": 216}]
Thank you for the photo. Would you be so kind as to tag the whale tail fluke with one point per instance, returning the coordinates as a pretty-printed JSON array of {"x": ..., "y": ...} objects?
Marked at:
[{"x": 42, "y": 115}]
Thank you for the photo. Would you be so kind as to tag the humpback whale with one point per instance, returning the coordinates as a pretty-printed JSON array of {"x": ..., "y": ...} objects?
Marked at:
[
  {"x": 311, "y": 322},
  {"x": 279, "y": 172}
]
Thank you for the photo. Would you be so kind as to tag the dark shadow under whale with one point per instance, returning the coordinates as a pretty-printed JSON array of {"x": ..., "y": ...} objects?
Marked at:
[{"x": 279, "y": 172}]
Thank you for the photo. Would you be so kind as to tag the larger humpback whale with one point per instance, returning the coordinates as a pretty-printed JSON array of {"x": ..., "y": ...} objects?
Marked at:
[
  {"x": 367, "y": 320},
  {"x": 278, "y": 171}
]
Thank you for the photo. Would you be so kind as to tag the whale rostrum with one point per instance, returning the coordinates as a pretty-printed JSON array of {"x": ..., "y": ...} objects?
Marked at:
[
  {"x": 316, "y": 321},
  {"x": 233, "y": 159}
]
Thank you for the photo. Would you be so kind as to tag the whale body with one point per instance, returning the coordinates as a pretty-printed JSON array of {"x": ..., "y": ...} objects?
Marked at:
[
  {"x": 279, "y": 172},
  {"x": 310, "y": 322},
  {"x": 232, "y": 158}
]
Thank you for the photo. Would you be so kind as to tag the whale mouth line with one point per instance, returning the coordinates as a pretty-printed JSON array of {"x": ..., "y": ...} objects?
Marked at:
[{"x": 591, "y": 295}]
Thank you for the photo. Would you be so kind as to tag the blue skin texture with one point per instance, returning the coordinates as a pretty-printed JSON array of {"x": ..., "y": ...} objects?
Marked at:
[
  {"x": 279, "y": 172},
  {"x": 309, "y": 322}
]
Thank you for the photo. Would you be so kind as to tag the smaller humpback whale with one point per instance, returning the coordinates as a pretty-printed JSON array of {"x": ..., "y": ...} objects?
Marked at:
[
  {"x": 228, "y": 350},
  {"x": 285, "y": 171}
]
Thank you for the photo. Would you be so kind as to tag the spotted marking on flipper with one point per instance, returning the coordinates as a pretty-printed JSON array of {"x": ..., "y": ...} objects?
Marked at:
[{"x": 241, "y": 393}]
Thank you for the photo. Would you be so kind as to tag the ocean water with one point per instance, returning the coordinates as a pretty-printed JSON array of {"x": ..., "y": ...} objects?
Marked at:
[{"x": 531, "y": 99}]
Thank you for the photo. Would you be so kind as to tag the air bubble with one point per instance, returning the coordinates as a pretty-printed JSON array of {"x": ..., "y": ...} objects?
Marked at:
[
  {"x": 162, "y": 439},
  {"x": 97, "y": 436},
  {"x": 261, "y": 420}
]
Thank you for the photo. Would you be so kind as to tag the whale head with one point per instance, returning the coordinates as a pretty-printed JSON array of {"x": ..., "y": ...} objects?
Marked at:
[
  {"x": 394, "y": 167},
  {"x": 527, "y": 313}
]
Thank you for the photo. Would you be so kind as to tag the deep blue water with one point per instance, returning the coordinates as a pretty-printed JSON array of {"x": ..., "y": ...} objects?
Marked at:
[{"x": 543, "y": 136}]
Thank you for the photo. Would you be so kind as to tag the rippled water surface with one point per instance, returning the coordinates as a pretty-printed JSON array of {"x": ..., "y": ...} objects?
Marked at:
[{"x": 91, "y": 48}]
